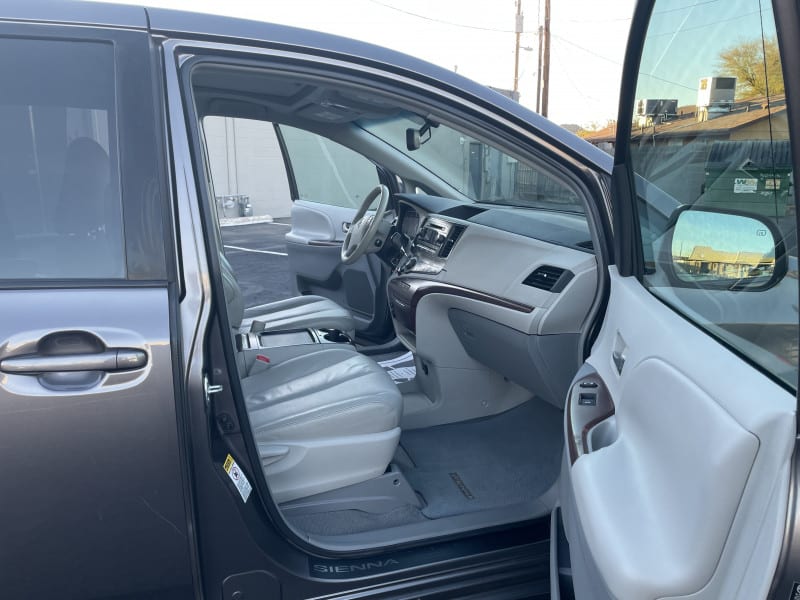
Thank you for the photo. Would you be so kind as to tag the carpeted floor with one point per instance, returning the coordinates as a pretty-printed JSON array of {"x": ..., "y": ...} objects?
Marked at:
[
  {"x": 486, "y": 463},
  {"x": 465, "y": 467}
]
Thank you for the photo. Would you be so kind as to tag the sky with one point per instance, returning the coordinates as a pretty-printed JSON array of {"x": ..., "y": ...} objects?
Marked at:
[
  {"x": 684, "y": 43},
  {"x": 476, "y": 38}
]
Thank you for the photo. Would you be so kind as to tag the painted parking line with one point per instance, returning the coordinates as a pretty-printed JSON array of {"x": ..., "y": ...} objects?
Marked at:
[{"x": 256, "y": 251}]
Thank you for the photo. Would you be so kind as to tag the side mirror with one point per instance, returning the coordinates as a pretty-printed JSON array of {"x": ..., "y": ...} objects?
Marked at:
[{"x": 714, "y": 249}]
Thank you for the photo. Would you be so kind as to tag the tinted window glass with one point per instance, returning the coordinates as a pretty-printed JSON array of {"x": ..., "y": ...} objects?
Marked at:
[
  {"x": 710, "y": 146},
  {"x": 327, "y": 172},
  {"x": 476, "y": 169},
  {"x": 60, "y": 209}
]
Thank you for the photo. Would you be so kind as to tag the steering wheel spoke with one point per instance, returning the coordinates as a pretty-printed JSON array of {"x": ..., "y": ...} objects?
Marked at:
[{"x": 367, "y": 232}]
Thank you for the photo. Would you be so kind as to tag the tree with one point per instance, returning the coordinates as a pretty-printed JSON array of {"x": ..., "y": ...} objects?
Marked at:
[{"x": 755, "y": 74}]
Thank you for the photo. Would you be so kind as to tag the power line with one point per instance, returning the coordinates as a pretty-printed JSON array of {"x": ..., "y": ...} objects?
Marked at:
[
  {"x": 592, "y": 52},
  {"x": 565, "y": 72},
  {"x": 658, "y": 12},
  {"x": 682, "y": 30},
  {"x": 616, "y": 62},
  {"x": 442, "y": 21}
]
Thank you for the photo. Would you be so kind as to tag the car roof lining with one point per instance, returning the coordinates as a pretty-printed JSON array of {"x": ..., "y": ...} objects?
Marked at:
[{"x": 291, "y": 94}]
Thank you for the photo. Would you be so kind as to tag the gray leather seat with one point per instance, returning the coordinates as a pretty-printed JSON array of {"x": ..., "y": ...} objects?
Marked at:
[
  {"x": 301, "y": 312},
  {"x": 322, "y": 421}
]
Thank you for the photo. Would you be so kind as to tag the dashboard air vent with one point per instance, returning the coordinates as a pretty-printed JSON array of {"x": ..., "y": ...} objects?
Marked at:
[
  {"x": 549, "y": 278},
  {"x": 451, "y": 240}
]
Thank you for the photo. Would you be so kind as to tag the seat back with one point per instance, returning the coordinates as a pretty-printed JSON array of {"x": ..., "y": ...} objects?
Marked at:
[
  {"x": 234, "y": 305},
  {"x": 83, "y": 206},
  {"x": 234, "y": 301}
]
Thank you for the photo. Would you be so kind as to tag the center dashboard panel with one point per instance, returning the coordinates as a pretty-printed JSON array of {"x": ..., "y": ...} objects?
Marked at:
[
  {"x": 470, "y": 280},
  {"x": 432, "y": 245}
]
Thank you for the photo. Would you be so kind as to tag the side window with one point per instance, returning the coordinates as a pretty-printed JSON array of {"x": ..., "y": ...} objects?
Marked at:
[
  {"x": 327, "y": 172},
  {"x": 710, "y": 150},
  {"x": 247, "y": 168},
  {"x": 60, "y": 205}
]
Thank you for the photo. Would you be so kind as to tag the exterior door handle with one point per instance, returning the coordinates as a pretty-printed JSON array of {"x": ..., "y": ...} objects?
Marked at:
[{"x": 115, "y": 359}]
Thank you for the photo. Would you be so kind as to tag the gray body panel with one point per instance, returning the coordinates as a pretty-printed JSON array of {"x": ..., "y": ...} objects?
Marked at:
[{"x": 92, "y": 501}]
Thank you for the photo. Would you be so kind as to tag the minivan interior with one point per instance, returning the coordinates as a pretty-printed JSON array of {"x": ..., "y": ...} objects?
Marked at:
[{"x": 456, "y": 422}]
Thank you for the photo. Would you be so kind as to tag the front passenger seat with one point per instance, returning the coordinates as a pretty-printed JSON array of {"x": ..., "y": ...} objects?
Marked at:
[
  {"x": 301, "y": 312},
  {"x": 322, "y": 420}
]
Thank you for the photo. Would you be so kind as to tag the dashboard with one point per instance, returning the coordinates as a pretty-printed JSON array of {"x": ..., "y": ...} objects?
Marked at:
[
  {"x": 476, "y": 282},
  {"x": 432, "y": 226}
]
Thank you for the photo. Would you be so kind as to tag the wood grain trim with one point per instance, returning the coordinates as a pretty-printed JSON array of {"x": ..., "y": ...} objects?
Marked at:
[
  {"x": 581, "y": 419},
  {"x": 423, "y": 287}
]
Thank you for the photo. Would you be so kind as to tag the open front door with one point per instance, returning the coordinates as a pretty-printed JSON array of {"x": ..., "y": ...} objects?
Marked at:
[
  {"x": 681, "y": 425},
  {"x": 329, "y": 183}
]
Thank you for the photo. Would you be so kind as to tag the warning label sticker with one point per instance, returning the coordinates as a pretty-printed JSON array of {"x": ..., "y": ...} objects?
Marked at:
[
  {"x": 743, "y": 185},
  {"x": 237, "y": 477}
]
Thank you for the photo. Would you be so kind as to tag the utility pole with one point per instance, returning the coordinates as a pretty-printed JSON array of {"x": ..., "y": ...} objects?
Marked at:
[
  {"x": 546, "y": 58},
  {"x": 517, "y": 32},
  {"x": 539, "y": 75}
]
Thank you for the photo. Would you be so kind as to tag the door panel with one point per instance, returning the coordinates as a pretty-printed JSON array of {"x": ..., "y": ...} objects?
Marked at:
[
  {"x": 683, "y": 492},
  {"x": 92, "y": 503},
  {"x": 700, "y": 436},
  {"x": 331, "y": 182},
  {"x": 314, "y": 222},
  {"x": 314, "y": 247}
]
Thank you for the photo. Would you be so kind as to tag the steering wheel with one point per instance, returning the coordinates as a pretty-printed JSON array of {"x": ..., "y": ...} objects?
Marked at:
[{"x": 368, "y": 231}]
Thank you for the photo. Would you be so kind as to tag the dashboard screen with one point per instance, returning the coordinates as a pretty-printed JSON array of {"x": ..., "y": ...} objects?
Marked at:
[{"x": 410, "y": 224}]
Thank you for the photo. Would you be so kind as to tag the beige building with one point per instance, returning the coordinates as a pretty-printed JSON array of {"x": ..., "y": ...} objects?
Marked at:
[
  {"x": 705, "y": 260},
  {"x": 246, "y": 160}
]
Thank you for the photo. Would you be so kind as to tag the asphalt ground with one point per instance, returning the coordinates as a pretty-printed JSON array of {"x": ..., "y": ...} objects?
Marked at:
[{"x": 257, "y": 253}]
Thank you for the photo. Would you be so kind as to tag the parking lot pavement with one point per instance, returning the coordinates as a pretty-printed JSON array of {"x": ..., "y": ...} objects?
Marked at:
[{"x": 257, "y": 253}]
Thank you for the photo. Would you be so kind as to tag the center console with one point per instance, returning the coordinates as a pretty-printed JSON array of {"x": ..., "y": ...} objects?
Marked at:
[
  {"x": 298, "y": 337},
  {"x": 416, "y": 276},
  {"x": 278, "y": 346}
]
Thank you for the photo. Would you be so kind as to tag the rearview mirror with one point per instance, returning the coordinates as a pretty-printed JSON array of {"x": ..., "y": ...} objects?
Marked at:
[
  {"x": 725, "y": 250},
  {"x": 416, "y": 137}
]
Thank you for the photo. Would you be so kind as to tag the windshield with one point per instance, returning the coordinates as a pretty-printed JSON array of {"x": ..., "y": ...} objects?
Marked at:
[{"x": 474, "y": 168}]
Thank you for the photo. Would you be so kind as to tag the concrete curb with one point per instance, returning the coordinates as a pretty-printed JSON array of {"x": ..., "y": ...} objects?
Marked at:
[{"x": 234, "y": 221}]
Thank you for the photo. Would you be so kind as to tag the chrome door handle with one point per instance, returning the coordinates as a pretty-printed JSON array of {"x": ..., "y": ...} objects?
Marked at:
[{"x": 118, "y": 359}]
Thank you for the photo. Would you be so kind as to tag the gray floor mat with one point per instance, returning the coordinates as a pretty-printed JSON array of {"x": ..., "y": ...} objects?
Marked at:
[{"x": 487, "y": 463}]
